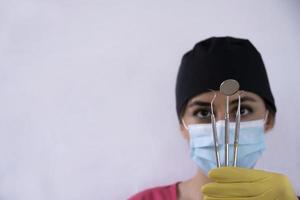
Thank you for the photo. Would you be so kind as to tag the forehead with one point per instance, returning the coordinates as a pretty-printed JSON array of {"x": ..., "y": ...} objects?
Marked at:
[{"x": 208, "y": 96}]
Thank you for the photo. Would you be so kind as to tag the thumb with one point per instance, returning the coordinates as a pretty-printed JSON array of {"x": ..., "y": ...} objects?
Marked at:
[{"x": 237, "y": 174}]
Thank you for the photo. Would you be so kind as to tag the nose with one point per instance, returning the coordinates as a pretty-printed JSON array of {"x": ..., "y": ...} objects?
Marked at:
[{"x": 220, "y": 115}]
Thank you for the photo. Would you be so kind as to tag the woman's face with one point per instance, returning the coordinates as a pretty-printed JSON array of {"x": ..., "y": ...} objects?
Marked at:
[{"x": 198, "y": 109}]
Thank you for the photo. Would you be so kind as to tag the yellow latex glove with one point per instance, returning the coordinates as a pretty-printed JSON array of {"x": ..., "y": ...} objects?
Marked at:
[{"x": 234, "y": 183}]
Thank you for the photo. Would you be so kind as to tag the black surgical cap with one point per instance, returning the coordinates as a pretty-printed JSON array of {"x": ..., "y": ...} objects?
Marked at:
[{"x": 216, "y": 59}]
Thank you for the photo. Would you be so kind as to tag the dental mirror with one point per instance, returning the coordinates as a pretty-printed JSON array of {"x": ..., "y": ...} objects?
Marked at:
[{"x": 229, "y": 87}]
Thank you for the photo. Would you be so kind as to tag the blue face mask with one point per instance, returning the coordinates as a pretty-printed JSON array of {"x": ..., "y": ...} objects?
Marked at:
[{"x": 251, "y": 144}]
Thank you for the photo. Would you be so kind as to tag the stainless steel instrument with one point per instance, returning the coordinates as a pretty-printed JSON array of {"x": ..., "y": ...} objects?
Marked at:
[
  {"x": 215, "y": 135},
  {"x": 228, "y": 88},
  {"x": 237, "y": 131}
]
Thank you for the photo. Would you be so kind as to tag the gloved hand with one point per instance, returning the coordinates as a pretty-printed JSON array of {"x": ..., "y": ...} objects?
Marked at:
[{"x": 236, "y": 183}]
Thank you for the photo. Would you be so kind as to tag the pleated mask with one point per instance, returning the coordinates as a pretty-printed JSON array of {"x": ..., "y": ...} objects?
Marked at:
[{"x": 251, "y": 144}]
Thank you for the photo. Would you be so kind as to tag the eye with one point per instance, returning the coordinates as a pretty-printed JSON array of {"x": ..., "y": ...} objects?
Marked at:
[
  {"x": 202, "y": 114},
  {"x": 245, "y": 110}
]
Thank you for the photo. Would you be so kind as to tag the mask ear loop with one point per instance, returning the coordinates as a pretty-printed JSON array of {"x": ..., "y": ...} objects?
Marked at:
[
  {"x": 184, "y": 125},
  {"x": 266, "y": 117}
]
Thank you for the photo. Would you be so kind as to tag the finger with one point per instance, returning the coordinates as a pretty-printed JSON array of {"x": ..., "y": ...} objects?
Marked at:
[
  {"x": 213, "y": 198},
  {"x": 227, "y": 190},
  {"x": 239, "y": 198},
  {"x": 269, "y": 195},
  {"x": 237, "y": 174}
]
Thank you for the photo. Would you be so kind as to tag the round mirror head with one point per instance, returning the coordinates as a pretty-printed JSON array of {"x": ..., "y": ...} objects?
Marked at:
[{"x": 229, "y": 87}]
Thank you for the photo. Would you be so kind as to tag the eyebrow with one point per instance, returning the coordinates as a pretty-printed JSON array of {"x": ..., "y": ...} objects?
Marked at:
[
  {"x": 243, "y": 99},
  {"x": 202, "y": 103},
  {"x": 199, "y": 103}
]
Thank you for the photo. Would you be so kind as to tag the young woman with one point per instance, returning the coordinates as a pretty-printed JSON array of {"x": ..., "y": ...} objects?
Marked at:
[{"x": 201, "y": 72}]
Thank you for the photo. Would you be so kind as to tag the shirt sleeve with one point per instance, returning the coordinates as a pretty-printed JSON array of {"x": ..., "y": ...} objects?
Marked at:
[{"x": 168, "y": 192}]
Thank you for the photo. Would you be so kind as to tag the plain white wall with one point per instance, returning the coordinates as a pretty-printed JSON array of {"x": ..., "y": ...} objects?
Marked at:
[{"x": 87, "y": 91}]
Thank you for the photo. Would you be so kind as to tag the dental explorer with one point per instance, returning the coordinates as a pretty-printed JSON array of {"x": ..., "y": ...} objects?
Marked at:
[
  {"x": 213, "y": 122},
  {"x": 237, "y": 131}
]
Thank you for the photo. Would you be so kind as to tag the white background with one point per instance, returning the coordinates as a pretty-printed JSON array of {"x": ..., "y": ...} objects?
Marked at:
[{"x": 87, "y": 91}]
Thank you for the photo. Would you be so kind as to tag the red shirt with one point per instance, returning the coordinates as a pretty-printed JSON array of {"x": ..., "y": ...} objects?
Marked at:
[{"x": 168, "y": 192}]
